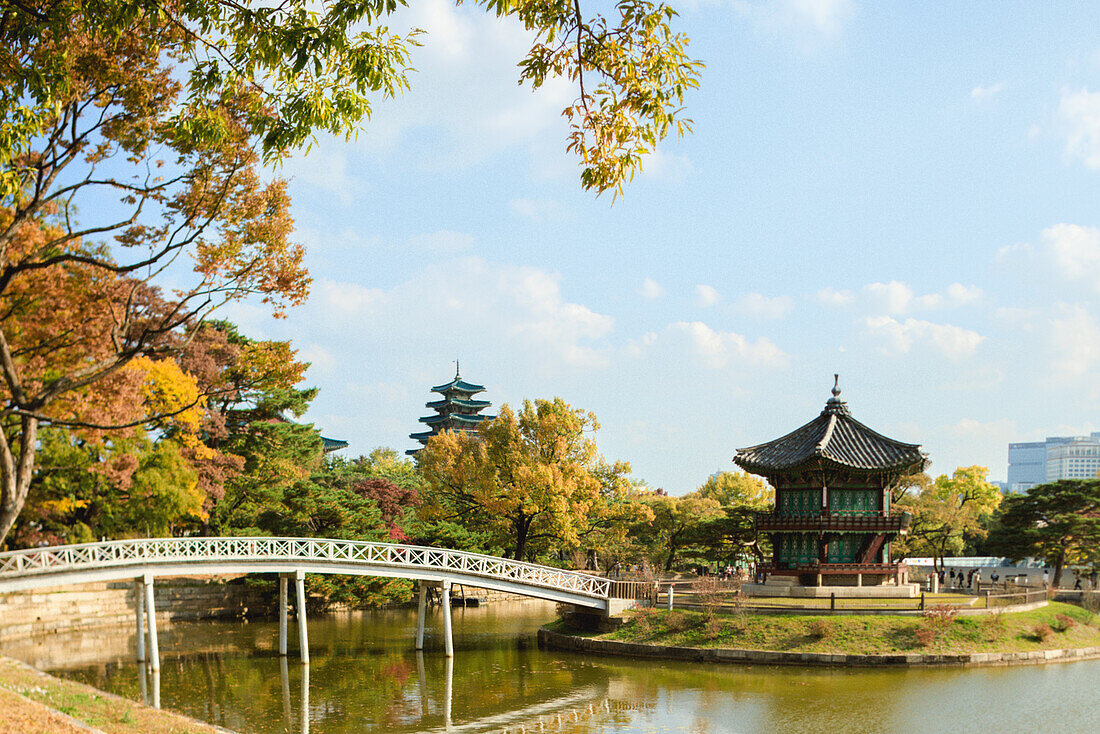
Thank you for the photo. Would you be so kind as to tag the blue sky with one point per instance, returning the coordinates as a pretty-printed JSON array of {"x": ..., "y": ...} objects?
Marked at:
[{"x": 906, "y": 194}]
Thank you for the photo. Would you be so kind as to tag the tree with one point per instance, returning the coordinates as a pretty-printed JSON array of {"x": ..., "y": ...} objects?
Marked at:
[
  {"x": 92, "y": 112},
  {"x": 1058, "y": 522},
  {"x": 306, "y": 67},
  {"x": 75, "y": 315},
  {"x": 522, "y": 479},
  {"x": 123, "y": 487},
  {"x": 676, "y": 522},
  {"x": 738, "y": 489},
  {"x": 948, "y": 510}
]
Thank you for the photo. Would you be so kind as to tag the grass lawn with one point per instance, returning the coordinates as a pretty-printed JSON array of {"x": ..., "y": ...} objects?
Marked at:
[
  {"x": 95, "y": 708},
  {"x": 1055, "y": 626}
]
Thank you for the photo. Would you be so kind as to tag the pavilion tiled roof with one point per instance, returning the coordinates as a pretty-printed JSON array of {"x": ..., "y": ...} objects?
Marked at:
[{"x": 833, "y": 438}]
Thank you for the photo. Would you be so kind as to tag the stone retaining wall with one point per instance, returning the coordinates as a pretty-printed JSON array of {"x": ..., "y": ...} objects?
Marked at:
[
  {"x": 558, "y": 641},
  {"x": 485, "y": 596},
  {"x": 108, "y": 604}
]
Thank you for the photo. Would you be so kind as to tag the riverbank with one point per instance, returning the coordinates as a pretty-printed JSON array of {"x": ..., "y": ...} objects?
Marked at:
[
  {"x": 1055, "y": 632},
  {"x": 33, "y": 701}
]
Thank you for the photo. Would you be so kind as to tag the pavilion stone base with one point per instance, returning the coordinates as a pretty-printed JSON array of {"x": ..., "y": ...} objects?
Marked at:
[{"x": 842, "y": 586}]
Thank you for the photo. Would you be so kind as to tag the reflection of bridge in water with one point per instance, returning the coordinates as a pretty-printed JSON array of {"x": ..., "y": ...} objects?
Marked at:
[
  {"x": 145, "y": 559},
  {"x": 583, "y": 705}
]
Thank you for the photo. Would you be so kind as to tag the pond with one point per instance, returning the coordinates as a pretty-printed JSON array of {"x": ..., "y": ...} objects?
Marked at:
[{"x": 365, "y": 676}]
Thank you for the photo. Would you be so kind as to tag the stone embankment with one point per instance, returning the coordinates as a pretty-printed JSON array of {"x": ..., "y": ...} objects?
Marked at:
[
  {"x": 559, "y": 641},
  {"x": 110, "y": 604}
]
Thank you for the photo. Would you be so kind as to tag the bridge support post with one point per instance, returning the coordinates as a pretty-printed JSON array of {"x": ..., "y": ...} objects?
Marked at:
[
  {"x": 151, "y": 613},
  {"x": 448, "y": 642},
  {"x": 282, "y": 614},
  {"x": 448, "y": 679},
  {"x": 139, "y": 614},
  {"x": 303, "y": 639},
  {"x": 420, "y": 613}
]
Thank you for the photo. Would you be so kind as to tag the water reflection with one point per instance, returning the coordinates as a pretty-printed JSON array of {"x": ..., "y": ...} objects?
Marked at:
[{"x": 366, "y": 676}]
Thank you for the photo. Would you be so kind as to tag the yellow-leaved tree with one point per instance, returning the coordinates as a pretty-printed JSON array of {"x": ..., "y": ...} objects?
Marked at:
[{"x": 533, "y": 481}]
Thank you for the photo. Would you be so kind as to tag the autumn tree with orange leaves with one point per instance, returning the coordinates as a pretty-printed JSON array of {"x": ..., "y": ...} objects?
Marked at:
[{"x": 87, "y": 339}]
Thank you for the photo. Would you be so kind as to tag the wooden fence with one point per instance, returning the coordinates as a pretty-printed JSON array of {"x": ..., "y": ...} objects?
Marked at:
[{"x": 684, "y": 597}]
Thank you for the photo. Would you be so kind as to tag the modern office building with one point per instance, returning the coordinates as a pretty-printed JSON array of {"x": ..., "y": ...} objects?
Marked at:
[{"x": 1058, "y": 457}]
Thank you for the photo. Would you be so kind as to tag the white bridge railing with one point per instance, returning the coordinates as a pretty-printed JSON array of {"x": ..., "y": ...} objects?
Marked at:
[{"x": 154, "y": 551}]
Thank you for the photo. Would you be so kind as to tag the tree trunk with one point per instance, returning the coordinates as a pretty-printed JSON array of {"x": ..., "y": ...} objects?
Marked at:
[
  {"x": 1059, "y": 562},
  {"x": 672, "y": 539},
  {"x": 522, "y": 525},
  {"x": 15, "y": 473}
]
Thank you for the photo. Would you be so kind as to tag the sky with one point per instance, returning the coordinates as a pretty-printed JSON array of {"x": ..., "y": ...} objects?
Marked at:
[{"x": 904, "y": 194}]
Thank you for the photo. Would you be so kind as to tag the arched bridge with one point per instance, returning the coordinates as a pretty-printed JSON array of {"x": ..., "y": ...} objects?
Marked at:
[
  {"x": 124, "y": 559},
  {"x": 145, "y": 559}
]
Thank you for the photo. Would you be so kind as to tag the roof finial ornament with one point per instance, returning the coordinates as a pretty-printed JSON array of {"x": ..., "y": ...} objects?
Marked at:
[
  {"x": 836, "y": 385},
  {"x": 457, "y": 374}
]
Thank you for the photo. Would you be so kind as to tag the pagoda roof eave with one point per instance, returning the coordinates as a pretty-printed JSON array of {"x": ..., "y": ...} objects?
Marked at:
[
  {"x": 458, "y": 385},
  {"x": 833, "y": 439},
  {"x": 432, "y": 420},
  {"x": 475, "y": 404},
  {"x": 818, "y": 463}
]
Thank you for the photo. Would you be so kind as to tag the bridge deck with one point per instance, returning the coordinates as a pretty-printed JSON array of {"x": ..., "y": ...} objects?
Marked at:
[{"x": 122, "y": 559}]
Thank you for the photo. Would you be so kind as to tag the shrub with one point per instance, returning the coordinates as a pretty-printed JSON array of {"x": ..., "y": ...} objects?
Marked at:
[
  {"x": 940, "y": 615},
  {"x": 1062, "y": 623},
  {"x": 643, "y": 621},
  {"x": 819, "y": 628},
  {"x": 1041, "y": 632},
  {"x": 713, "y": 628},
  {"x": 1091, "y": 602},
  {"x": 925, "y": 635},
  {"x": 678, "y": 621}
]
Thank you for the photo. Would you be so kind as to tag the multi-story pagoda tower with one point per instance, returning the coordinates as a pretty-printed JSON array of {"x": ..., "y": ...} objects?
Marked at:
[
  {"x": 832, "y": 518},
  {"x": 457, "y": 411}
]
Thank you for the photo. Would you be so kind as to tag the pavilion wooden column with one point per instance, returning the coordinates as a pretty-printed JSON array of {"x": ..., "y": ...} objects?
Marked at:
[{"x": 303, "y": 638}]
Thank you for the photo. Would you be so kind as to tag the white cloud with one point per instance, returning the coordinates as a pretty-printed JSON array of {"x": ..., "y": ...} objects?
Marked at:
[
  {"x": 321, "y": 362},
  {"x": 666, "y": 166},
  {"x": 1008, "y": 253},
  {"x": 638, "y": 347},
  {"x": 323, "y": 169},
  {"x": 755, "y": 304},
  {"x": 1022, "y": 319},
  {"x": 1075, "y": 251},
  {"x": 806, "y": 22},
  {"x": 716, "y": 349},
  {"x": 348, "y": 298},
  {"x": 834, "y": 297},
  {"x": 998, "y": 432},
  {"x": 1075, "y": 344},
  {"x": 464, "y": 105},
  {"x": 982, "y": 93},
  {"x": 651, "y": 289},
  {"x": 954, "y": 342},
  {"x": 444, "y": 241},
  {"x": 1079, "y": 125},
  {"x": 706, "y": 295},
  {"x": 892, "y": 297},
  {"x": 538, "y": 210},
  {"x": 466, "y": 304},
  {"x": 896, "y": 297}
]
